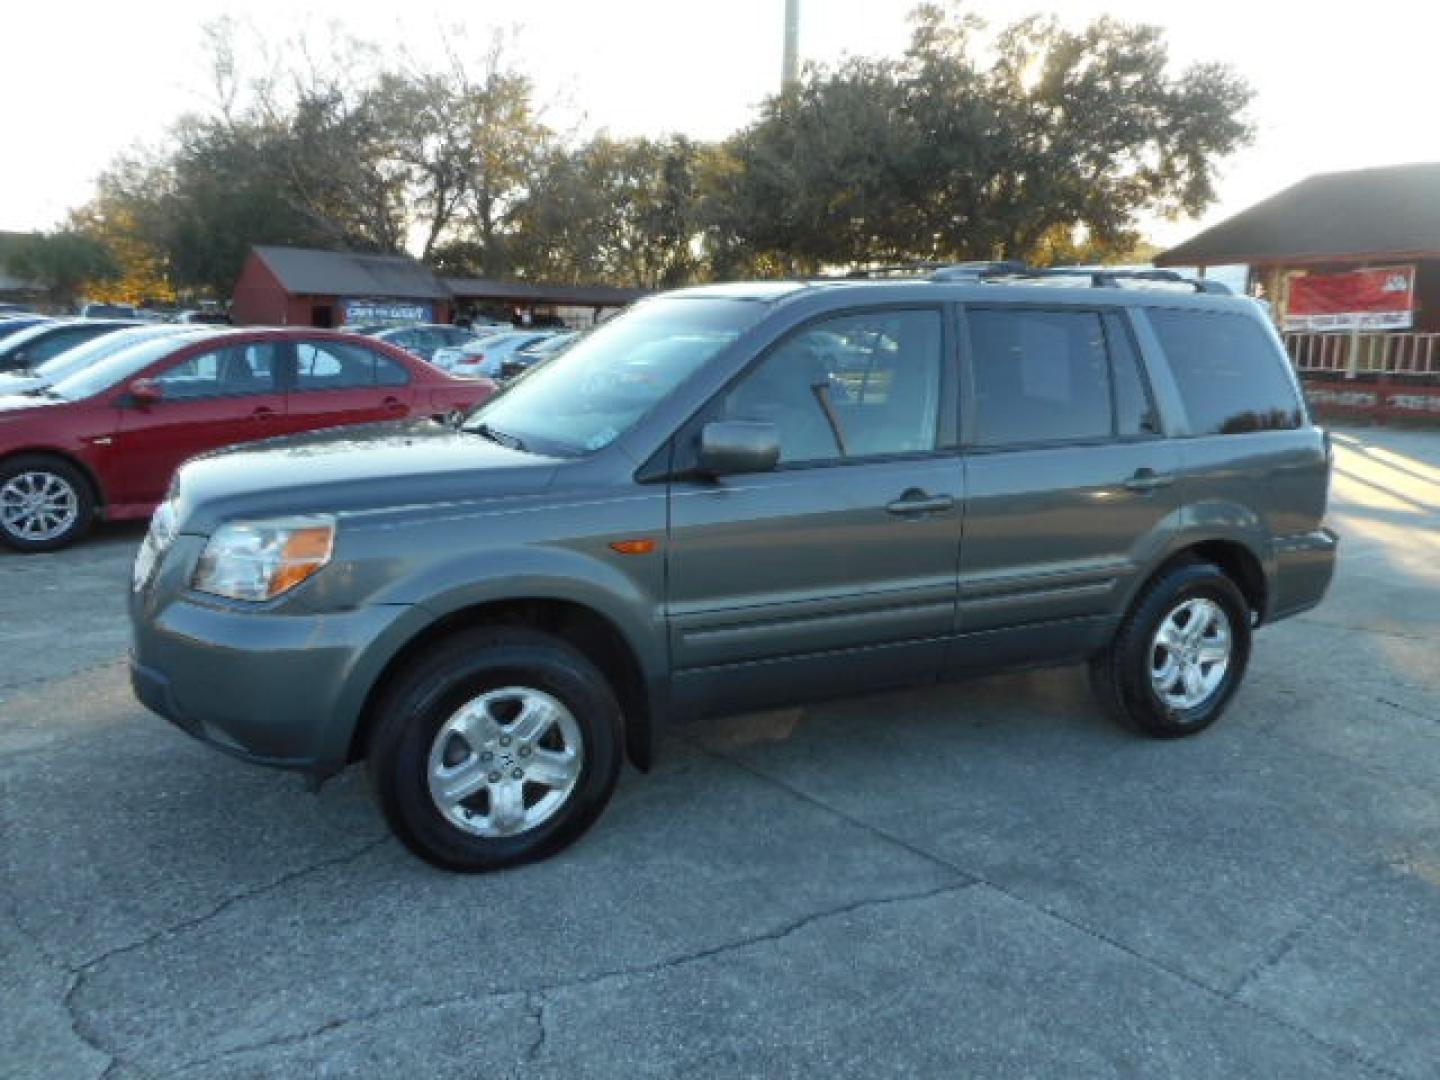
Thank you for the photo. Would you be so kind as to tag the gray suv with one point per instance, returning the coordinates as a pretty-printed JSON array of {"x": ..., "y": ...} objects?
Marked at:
[{"x": 735, "y": 497}]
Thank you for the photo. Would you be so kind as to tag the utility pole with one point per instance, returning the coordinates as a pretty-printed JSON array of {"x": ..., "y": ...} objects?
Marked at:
[{"x": 790, "y": 68}]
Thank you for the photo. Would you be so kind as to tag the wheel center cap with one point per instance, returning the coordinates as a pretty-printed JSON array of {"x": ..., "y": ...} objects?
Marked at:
[{"x": 506, "y": 759}]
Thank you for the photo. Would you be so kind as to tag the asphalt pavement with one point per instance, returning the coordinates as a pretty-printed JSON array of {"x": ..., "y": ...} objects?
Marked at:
[{"x": 987, "y": 879}]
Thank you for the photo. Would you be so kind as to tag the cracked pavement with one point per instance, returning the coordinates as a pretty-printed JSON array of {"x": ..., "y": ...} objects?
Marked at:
[{"x": 986, "y": 879}]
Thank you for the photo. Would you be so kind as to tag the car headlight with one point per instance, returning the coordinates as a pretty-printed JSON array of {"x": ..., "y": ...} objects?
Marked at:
[
  {"x": 259, "y": 560},
  {"x": 158, "y": 538}
]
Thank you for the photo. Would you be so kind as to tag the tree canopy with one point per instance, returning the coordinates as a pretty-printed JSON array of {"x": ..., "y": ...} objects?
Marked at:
[{"x": 1035, "y": 141}]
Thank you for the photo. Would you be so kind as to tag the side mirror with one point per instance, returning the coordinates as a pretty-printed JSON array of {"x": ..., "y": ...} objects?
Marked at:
[
  {"x": 738, "y": 446},
  {"x": 146, "y": 392}
]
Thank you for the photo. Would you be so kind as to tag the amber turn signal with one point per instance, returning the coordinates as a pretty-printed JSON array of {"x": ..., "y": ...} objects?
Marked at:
[{"x": 633, "y": 547}]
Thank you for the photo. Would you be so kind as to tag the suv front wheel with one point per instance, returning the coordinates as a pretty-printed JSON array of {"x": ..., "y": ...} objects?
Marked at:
[
  {"x": 498, "y": 747},
  {"x": 1179, "y": 654}
]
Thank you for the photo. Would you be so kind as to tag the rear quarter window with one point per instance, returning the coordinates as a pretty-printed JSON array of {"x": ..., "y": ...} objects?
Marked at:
[{"x": 1231, "y": 376}]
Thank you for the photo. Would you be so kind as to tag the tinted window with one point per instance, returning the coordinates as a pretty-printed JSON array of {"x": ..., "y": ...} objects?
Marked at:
[
  {"x": 227, "y": 372},
  {"x": 1134, "y": 410},
  {"x": 1231, "y": 376},
  {"x": 390, "y": 372},
  {"x": 56, "y": 342},
  {"x": 14, "y": 326},
  {"x": 333, "y": 365},
  {"x": 1040, "y": 376},
  {"x": 855, "y": 386}
]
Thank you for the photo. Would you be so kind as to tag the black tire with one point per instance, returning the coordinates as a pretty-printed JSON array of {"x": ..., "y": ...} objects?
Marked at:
[
  {"x": 428, "y": 691},
  {"x": 56, "y": 471},
  {"x": 1121, "y": 675}
]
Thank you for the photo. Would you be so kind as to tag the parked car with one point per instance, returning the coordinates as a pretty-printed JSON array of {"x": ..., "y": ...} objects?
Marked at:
[
  {"x": 482, "y": 357},
  {"x": 209, "y": 316},
  {"x": 527, "y": 356},
  {"x": 109, "y": 311},
  {"x": 690, "y": 513},
  {"x": 90, "y": 351},
  {"x": 13, "y": 324},
  {"x": 35, "y": 344},
  {"x": 105, "y": 440},
  {"x": 423, "y": 339}
]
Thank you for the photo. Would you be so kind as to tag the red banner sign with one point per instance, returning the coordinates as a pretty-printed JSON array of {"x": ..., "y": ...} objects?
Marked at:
[{"x": 1380, "y": 298}]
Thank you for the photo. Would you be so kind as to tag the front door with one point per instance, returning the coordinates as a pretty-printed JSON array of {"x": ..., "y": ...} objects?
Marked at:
[
  {"x": 1068, "y": 480},
  {"x": 837, "y": 570},
  {"x": 209, "y": 399}
]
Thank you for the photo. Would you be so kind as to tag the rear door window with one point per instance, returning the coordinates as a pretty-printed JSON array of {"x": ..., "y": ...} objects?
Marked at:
[
  {"x": 333, "y": 365},
  {"x": 1231, "y": 376}
]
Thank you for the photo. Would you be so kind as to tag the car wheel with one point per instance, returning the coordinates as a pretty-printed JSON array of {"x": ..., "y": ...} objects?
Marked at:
[
  {"x": 496, "y": 748},
  {"x": 45, "y": 503},
  {"x": 1179, "y": 654}
]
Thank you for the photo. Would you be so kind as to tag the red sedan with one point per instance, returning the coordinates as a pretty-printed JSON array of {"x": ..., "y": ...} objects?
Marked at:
[{"x": 105, "y": 440}]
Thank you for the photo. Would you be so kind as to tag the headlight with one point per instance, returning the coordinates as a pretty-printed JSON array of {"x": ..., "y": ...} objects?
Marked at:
[
  {"x": 259, "y": 560},
  {"x": 159, "y": 537}
]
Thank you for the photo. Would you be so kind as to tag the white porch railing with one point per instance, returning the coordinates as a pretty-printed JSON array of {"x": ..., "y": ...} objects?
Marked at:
[{"x": 1397, "y": 354}]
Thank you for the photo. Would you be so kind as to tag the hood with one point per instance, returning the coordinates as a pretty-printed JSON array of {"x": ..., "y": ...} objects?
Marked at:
[{"x": 370, "y": 467}]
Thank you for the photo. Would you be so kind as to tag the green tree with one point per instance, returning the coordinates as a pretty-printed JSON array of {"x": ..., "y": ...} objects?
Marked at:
[
  {"x": 629, "y": 211},
  {"x": 1057, "y": 138},
  {"x": 66, "y": 262}
]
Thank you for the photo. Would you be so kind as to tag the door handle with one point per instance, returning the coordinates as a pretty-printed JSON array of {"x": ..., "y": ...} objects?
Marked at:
[
  {"x": 1148, "y": 480},
  {"x": 263, "y": 413},
  {"x": 915, "y": 501},
  {"x": 393, "y": 404}
]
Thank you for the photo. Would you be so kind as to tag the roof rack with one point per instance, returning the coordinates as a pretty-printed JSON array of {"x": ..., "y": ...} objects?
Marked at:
[
  {"x": 1096, "y": 278},
  {"x": 968, "y": 271},
  {"x": 910, "y": 269}
]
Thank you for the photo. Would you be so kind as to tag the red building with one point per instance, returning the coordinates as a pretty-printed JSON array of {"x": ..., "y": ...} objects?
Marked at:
[
  {"x": 280, "y": 286},
  {"x": 1330, "y": 225},
  {"x": 1350, "y": 265}
]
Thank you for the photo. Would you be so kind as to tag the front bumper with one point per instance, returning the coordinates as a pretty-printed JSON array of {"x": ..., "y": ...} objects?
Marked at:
[{"x": 273, "y": 689}]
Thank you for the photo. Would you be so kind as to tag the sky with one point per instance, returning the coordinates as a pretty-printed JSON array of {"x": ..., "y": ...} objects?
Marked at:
[{"x": 1339, "y": 86}]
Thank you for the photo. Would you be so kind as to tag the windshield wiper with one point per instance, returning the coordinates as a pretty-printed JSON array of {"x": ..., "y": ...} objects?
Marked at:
[{"x": 513, "y": 442}]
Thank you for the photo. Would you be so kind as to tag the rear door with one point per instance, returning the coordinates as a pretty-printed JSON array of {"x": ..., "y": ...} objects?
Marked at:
[
  {"x": 335, "y": 383},
  {"x": 1069, "y": 479},
  {"x": 210, "y": 398},
  {"x": 837, "y": 570}
]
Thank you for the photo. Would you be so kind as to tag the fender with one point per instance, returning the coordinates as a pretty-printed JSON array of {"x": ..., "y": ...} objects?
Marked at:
[
  {"x": 1207, "y": 522},
  {"x": 630, "y": 596}
]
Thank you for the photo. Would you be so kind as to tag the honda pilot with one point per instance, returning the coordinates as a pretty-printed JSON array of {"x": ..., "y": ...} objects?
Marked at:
[{"x": 736, "y": 497}]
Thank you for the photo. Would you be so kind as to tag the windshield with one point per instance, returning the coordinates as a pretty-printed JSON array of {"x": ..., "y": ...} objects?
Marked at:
[
  {"x": 117, "y": 367},
  {"x": 591, "y": 394},
  {"x": 17, "y": 341},
  {"x": 82, "y": 356}
]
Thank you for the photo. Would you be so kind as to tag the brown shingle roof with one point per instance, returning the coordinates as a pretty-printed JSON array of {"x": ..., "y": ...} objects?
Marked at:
[
  {"x": 1392, "y": 211},
  {"x": 308, "y": 272},
  {"x": 522, "y": 292}
]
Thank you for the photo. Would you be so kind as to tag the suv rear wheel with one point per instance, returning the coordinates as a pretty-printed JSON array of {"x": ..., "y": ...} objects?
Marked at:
[
  {"x": 1179, "y": 655},
  {"x": 498, "y": 747},
  {"x": 45, "y": 503}
]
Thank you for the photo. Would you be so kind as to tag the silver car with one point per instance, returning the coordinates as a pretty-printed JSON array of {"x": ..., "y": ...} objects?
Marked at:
[{"x": 483, "y": 357}]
